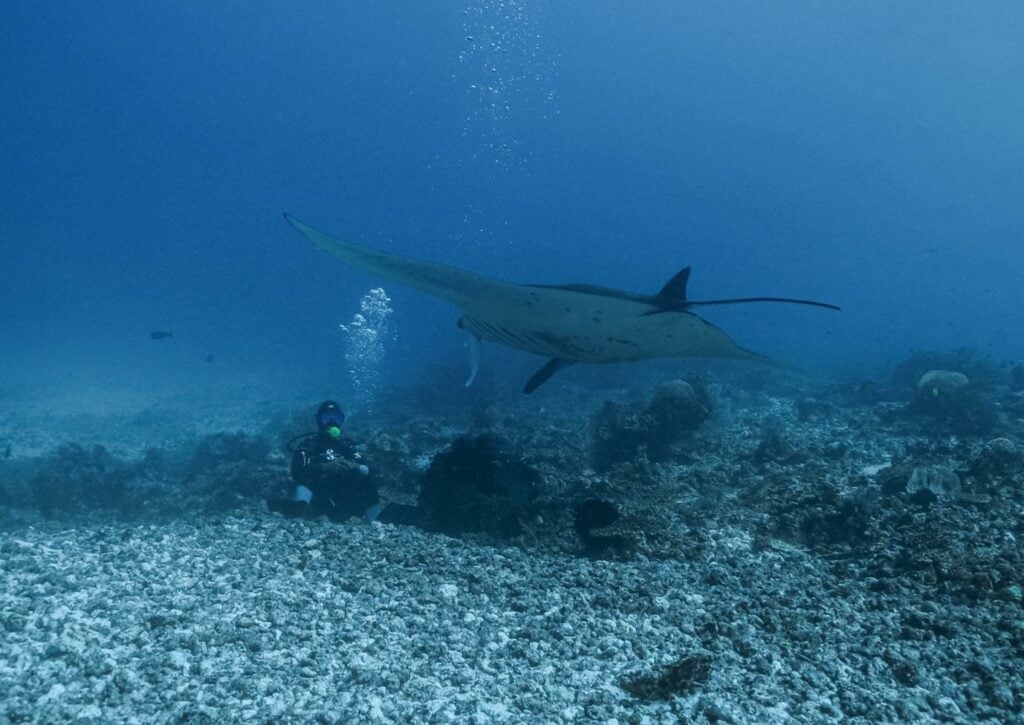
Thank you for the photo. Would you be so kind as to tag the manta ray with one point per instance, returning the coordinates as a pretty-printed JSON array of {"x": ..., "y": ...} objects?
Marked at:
[{"x": 571, "y": 323}]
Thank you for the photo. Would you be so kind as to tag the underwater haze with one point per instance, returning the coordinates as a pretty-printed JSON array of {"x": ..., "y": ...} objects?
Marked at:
[
  {"x": 253, "y": 253},
  {"x": 868, "y": 155}
]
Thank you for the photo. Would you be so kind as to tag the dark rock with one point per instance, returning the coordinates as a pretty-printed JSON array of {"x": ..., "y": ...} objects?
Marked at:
[
  {"x": 1017, "y": 377},
  {"x": 619, "y": 434},
  {"x": 775, "y": 446},
  {"x": 980, "y": 369},
  {"x": 808, "y": 409},
  {"x": 616, "y": 436},
  {"x": 221, "y": 449},
  {"x": 76, "y": 479},
  {"x": 999, "y": 459},
  {"x": 681, "y": 678},
  {"x": 477, "y": 487},
  {"x": 952, "y": 403},
  {"x": 677, "y": 408},
  {"x": 597, "y": 514}
]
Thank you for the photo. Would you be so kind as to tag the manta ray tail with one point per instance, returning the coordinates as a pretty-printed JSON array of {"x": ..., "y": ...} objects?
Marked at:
[
  {"x": 787, "y": 300},
  {"x": 672, "y": 297}
]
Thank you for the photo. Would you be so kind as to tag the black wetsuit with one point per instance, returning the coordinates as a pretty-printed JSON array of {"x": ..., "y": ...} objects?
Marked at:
[{"x": 339, "y": 490}]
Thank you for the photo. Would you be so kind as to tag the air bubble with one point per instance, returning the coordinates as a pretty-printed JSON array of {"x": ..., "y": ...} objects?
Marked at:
[{"x": 366, "y": 340}]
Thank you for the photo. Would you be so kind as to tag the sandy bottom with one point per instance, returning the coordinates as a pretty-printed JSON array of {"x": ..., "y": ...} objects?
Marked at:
[{"x": 720, "y": 614}]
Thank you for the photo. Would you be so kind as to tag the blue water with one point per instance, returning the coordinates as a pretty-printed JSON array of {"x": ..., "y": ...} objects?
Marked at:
[{"x": 869, "y": 155}]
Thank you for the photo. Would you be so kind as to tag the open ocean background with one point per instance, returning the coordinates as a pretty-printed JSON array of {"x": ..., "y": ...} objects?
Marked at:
[
  {"x": 870, "y": 155},
  {"x": 834, "y": 540}
]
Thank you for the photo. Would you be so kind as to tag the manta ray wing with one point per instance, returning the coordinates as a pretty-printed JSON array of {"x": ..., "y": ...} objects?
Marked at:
[{"x": 449, "y": 283}]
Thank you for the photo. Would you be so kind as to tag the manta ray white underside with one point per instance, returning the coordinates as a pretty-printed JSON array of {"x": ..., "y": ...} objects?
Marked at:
[{"x": 568, "y": 323}]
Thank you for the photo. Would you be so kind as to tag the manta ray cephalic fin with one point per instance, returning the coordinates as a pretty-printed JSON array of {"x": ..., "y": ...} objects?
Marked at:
[{"x": 541, "y": 376}]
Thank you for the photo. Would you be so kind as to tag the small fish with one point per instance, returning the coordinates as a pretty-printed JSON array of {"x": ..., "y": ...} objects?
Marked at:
[{"x": 160, "y": 334}]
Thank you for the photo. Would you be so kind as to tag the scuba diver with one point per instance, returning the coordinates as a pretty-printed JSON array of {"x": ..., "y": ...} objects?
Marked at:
[{"x": 331, "y": 478}]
